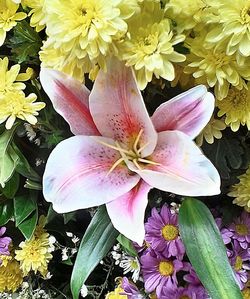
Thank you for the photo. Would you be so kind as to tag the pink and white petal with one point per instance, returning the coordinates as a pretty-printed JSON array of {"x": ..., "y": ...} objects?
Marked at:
[
  {"x": 188, "y": 112},
  {"x": 70, "y": 99},
  {"x": 118, "y": 109},
  {"x": 183, "y": 168},
  {"x": 77, "y": 174},
  {"x": 127, "y": 212}
]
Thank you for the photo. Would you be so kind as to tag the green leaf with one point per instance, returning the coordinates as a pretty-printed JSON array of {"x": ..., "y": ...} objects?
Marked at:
[
  {"x": 27, "y": 227},
  {"x": 96, "y": 242},
  {"x": 11, "y": 186},
  {"x": 29, "y": 184},
  {"x": 206, "y": 250},
  {"x": 25, "y": 43},
  {"x": 127, "y": 245},
  {"x": 6, "y": 211},
  {"x": 225, "y": 153},
  {"x": 8, "y": 157},
  {"x": 24, "y": 168},
  {"x": 23, "y": 206}
]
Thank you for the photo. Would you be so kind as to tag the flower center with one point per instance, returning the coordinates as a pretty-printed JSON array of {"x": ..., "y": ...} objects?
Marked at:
[
  {"x": 184, "y": 297},
  {"x": 238, "y": 263},
  {"x": 218, "y": 59},
  {"x": 241, "y": 229},
  {"x": 246, "y": 293},
  {"x": 245, "y": 14},
  {"x": 169, "y": 232},
  {"x": 133, "y": 155},
  {"x": 166, "y": 268}
]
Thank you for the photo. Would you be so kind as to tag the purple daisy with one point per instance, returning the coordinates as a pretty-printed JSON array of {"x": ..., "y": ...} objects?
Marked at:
[
  {"x": 159, "y": 271},
  {"x": 189, "y": 292},
  {"x": 4, "y": 243},
  {"x": 241, "y": 229},
  {"x": 226, "y": 233},
  {"x": 192, "y": 277},
  {"x": 162, "y": 233},
  {"x": 130, "y": 290},
  {"x": 240, "y": 261}
]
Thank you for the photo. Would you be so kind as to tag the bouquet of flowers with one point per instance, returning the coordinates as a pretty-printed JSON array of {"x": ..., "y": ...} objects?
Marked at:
[{"x": 124, "y": 149}]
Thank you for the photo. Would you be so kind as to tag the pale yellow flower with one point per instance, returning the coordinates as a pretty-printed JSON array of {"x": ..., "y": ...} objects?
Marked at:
[
  {"x": 241, "y": 191},
  {"x": 211, "y": 64},
  {"x": 234, "y": 25},
  {"x": 10, "y": 79},
  {"x": 116, "y": 294},
  {"x": 35, "y": 254},
  {"x": 37, "y": 19},
  {"x": 186, "y": 13},
  {"x": 246, "y": 293},
  {"x": 9, "y": 17},
  {"x": 16, "y": 105},
  {"x": 211, "y": 131},
  {"x": 236, "y": 107},
  {"x": 149, "y": 47},
  {"x": 82, "y": 32},
  {"x": 11, "y": 276}
]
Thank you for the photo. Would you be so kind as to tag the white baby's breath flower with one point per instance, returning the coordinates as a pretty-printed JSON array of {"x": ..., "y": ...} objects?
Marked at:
[
  {"x": 84, "y": 291},
  {"x": 65, "y": 254}
]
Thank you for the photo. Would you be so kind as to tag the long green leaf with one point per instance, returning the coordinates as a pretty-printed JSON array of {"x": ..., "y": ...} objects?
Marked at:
[
  {"x": 96, "y": 242},
  {"x": 206, "y": 250}
]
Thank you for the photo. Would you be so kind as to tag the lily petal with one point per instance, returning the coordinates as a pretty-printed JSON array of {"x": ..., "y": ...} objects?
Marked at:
[
  {"x": 118, "y": 109},
  {"x": 76, "y": 174},
  {"x": 188, "y": 112},
  {"x": 70, "y": 99},
  {"x": 183, "y": 168},
  {"x": 127, "y": 212}
]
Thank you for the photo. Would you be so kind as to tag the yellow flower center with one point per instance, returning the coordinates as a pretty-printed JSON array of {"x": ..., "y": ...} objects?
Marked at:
[
  {"x": 184, "y": 297},
  {"x": 238, "y": 263},
  {"x": 169, "y": 232},
  {"x": 218, "y": 59},
  {"x": 245, "y": 14},
  {"x": 148, "y": 44},
  {"x": 241, "y": 229},
  {"x": 246, "y": 293},
  {"x": 166, "y": 268},
  {"x": 133, "y": 155}
]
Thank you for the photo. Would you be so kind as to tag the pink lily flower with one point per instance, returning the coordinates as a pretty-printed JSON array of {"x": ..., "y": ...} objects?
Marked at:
[{"x": 119, "y": 153}]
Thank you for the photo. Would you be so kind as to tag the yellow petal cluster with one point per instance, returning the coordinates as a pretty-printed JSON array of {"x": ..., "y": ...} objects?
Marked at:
[
  {"x": 35, "y": 254},
  {"x": 233, "y": 26},
  {"x": 13, "y": 101},
  {"x": 11, "y": 276},
  {"x": 9, "y": 17},
  {"x": 116, "y": 294},
  {"x": 149, "y": 46},
  {"x": 236, "y": 107},
  {"x": 241, "y": 191},
  {"x": 211, "y": 131},
  {"x": 36, "y": 13},
  {"x": 83, "y": 30}
]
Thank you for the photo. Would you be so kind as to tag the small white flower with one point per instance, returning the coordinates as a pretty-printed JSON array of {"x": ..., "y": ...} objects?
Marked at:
[
  {"x": 65, "y": 254},
  {"x": 84, "y": 291},
  {"x": 174, "y": 209},
  {"x": 73, "y": 251},
  {"x": 69, "y": 234},
  {"x": 30, "y": 133},
  {"x": 75, "y": 239},
  {"x": 130, "y": 264}
]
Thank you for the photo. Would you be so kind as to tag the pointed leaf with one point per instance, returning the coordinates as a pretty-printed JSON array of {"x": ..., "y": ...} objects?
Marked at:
[
  {"x": 23, "y": 206},
  {"x": 27, "y": 227},
  {"x": 11, "y": 186},
  {"x": 96, "y": 242},
  {"x": 6, "y": 211},
  {"x": 206, "y": 250},
  {"x": 127, "y": 245}
]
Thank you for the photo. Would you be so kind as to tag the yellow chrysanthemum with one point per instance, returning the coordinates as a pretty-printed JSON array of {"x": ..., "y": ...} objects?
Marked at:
[
  {"x": 37, "y": 14},
  {"x": 186, "y": 13},
  {"x": 148, "y": 47},
  {"x": 234, "y": 17},
  {"x": 214, "y": 67},
  {"x": 212, "y": 130},
  {"x": 241, "y": 191},
  {"x": 16, "y": 105},
  {"x": 11, "y": 276},
  {"x": 116, "y": 294},
  {"x": 35, "y": 253},
  {"x": 236, "y": 107},
  {"x": 82, "y": 31},
  {"x": 8, "y": 17},
  {"x": 10, "y": 79},
  {"x": 185, "y": 81}
]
